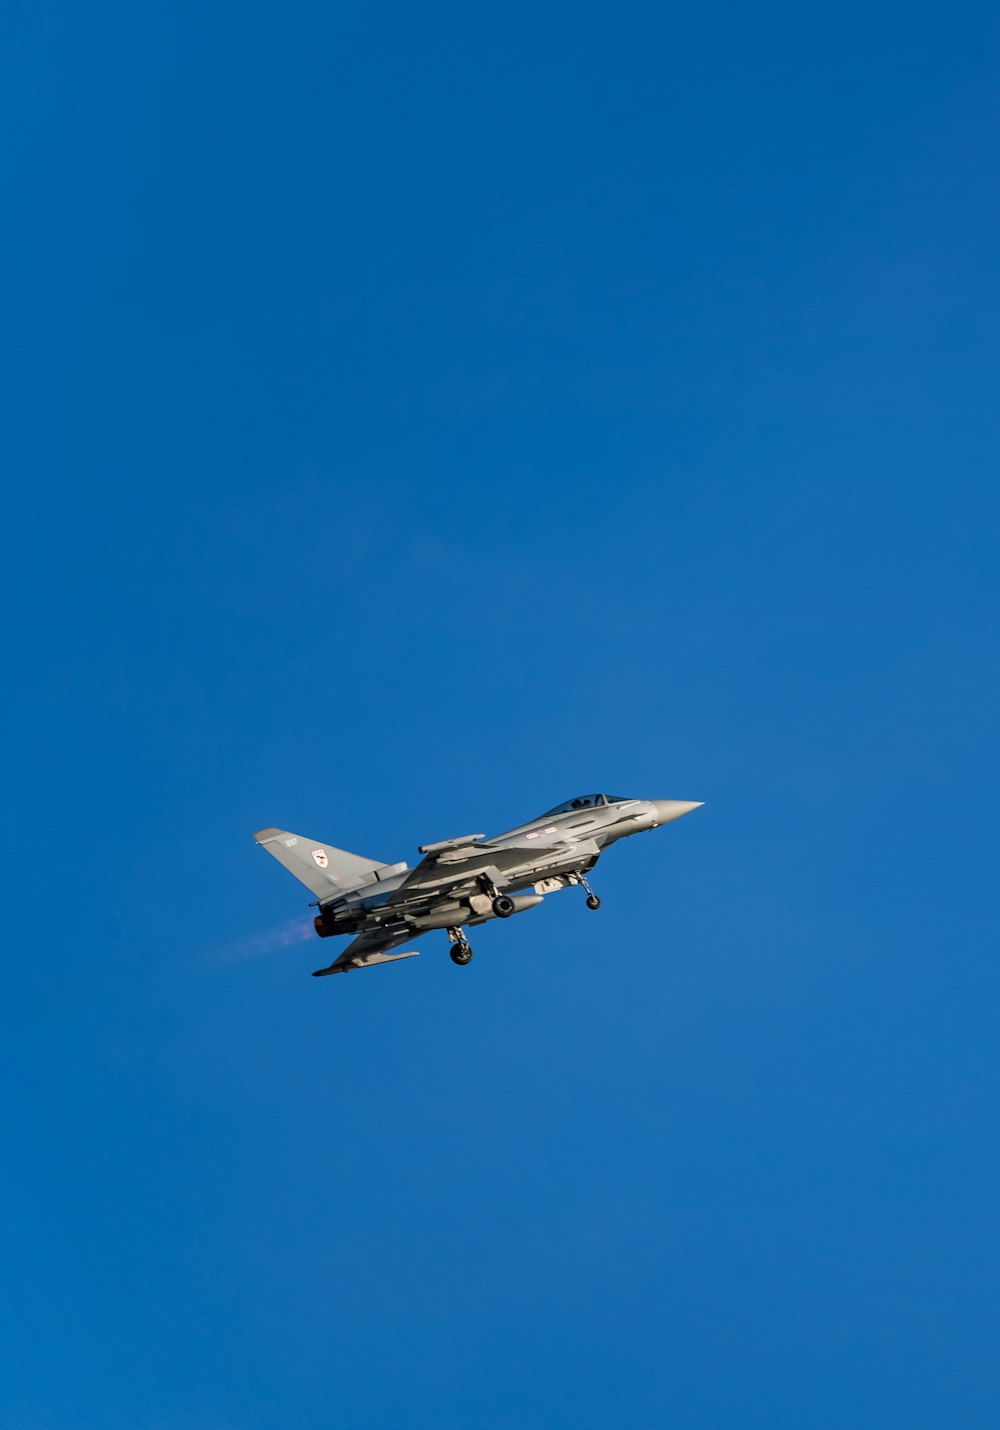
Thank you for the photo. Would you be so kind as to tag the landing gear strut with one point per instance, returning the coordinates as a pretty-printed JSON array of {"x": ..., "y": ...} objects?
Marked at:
[
  {"x": 461, "y": 948},
  {"x": 593, "y": 902},
  {"x": 503, "y": 905}
]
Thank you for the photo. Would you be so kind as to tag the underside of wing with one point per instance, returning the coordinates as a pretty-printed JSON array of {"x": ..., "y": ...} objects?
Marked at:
[
  {"x": 369, "y": 948},
  {"x": 443, "y": 872},
  {"x": 504, "y": 865}
]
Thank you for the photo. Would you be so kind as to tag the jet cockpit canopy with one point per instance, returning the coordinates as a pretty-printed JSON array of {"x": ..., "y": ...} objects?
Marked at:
[{"x": 586, "y": 801}]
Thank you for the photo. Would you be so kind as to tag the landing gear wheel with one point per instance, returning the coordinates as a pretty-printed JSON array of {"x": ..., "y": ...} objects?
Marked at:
[
  {"x": 461, "y": 953},
  {"x": 593, "y": 902},
  {"x": 503, "y": 906}
]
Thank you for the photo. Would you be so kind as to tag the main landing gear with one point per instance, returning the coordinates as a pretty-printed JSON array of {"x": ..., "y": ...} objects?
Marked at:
[
  {"x": 461, "y": 948},
  {"x": 503, "y": 904},
  {"x": 593, "y": 902}
]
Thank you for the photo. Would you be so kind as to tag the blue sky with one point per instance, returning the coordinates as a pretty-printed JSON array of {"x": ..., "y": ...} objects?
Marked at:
[{"x": 413, "y": 418}]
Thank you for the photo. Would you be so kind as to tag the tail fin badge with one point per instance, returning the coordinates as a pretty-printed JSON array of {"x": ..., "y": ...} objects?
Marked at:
[{"x": 320, "y": 856}]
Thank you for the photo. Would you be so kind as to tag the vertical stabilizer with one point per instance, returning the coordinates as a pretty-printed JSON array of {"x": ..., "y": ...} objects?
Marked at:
[{"x": 325, "y": 870}]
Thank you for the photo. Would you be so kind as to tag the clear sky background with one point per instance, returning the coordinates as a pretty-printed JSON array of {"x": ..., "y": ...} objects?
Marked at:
[{"x": 414, "y": 416}]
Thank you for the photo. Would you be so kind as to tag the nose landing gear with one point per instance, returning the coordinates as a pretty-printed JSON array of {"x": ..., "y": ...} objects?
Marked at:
[{"x": 593, "y": 902}]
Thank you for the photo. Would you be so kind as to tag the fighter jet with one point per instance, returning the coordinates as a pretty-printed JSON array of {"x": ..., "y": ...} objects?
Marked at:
[{"x": 460, "y": 882}]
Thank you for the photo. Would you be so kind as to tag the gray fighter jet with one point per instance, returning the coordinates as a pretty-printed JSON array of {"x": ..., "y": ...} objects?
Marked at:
[{"x": 459, "y": 882}]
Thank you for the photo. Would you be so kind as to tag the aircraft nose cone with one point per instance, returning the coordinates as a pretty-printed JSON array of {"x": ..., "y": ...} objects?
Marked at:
[{"x": 668, "y": 809}]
